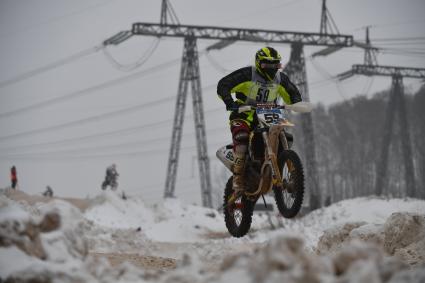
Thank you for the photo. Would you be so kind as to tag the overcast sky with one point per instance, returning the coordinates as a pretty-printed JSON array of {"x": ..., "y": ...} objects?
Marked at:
[{"x": 48, "y": 127}]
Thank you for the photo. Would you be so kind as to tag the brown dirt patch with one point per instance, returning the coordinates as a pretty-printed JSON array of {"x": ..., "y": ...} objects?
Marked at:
[
  {"x": 33, "y": 199},
  {"x": 145, "y": 262}
]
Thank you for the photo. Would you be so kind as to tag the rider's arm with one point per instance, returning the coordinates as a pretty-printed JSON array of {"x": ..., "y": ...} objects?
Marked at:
[
  {"x": 229, "y": 82},
  {"x": 291, "y": 89}
]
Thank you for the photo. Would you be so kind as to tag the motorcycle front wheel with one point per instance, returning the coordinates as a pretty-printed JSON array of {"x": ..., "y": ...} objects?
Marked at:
[
  {"x": 238, "y": 215},
  {"x": 290, "y": 198}
]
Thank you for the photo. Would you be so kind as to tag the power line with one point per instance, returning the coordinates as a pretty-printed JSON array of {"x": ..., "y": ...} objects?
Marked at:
[
  {"x": 388, "y": 52},
  {"x": 94, "y": 88},
  {"x": 55, "y": 19},
  {"x": 89, "y": 137},
  {"x": 87, "y": 120},
  {"x": 135, "y": 65},
  {"x": 90, "y": 89},
  {"x": 398, "y": 23},
  {"x": 407, "y": 39},
  {"x": 131, "y": 154},
  {"x": 50, "y": 66},
  {"x": 263, "y": 11},
  {"x": 417, "y": 45},
  {"x": 106, "y": 147},
  {"x": 328, "y": 76},
  {"x": 100, "y": 135},
  {"x": 215, "y": 64},
  {"x": 406, "y": 51},
  {"x": 368, "y": 86},
  {"x": 384, "y": 25}
]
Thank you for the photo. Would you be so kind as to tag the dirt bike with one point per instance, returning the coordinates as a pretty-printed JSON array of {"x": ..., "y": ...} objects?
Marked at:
[
  {"x": 270, "y": 165},
  {"x": 110, "y": 182}
]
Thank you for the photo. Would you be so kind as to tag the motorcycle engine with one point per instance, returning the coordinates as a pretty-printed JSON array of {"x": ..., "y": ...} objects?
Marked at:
[{"x": 256, "y": 147}]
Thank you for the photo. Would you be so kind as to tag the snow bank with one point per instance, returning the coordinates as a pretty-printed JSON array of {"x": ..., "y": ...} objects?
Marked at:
[
  {"x": 359, "y": 240},
  {"x": 175, "y": 222},
  {"x": 402, "y": 235},
  {"x": 285, "y": 259},
  {"x": 109, "y": 210},
  {"x": 367, "y": 210},
  {"x": 167, "y": 221},
  {"x": 49, "y": 245}
]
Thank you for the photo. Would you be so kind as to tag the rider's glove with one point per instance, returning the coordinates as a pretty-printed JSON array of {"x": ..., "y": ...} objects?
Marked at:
[{"x": 233, "y": 106}]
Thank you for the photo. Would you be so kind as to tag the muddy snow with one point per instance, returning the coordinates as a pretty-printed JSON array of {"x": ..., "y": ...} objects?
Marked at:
[{"x": 108, "y": 239}]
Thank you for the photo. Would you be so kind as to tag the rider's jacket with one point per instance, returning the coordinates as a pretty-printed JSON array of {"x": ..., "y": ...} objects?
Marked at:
[
  {"x": 251, "y": 88},
  {"x": 13, "y": 175},
  {"x": 111, "y": 173}
]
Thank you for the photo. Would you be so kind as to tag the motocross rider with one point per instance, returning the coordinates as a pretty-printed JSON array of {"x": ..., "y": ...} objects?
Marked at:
[
  {"x": 111, "y": 177},
  {"x": 262, "y": 83}
]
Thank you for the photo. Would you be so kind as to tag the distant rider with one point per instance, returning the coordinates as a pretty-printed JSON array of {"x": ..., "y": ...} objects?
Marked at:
[
  {"x": 262, "y": 83},
  {"x": 48, "y": 192},
  {"x": 111, "y": 178}
]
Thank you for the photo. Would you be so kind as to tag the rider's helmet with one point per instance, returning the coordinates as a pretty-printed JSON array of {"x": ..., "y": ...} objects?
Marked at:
[{"x": 267, "y": 62}]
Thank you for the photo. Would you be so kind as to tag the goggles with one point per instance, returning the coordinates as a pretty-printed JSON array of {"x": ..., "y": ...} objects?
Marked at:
[{"x": 270, "y": 65}]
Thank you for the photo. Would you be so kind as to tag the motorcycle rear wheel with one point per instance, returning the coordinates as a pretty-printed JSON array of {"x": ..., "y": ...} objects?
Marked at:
[
  {"x": 289, "y": 199},
  {"x": 238, "y": 216}
]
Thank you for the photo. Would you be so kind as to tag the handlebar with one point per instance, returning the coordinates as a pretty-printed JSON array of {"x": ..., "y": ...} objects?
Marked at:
[{"x": 301, "y": 107}]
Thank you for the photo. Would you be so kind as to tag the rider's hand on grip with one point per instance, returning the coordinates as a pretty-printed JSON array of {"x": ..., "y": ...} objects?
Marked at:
[
  {"x": 244, "y": 108},
  {"x": 233, "y": 106}
]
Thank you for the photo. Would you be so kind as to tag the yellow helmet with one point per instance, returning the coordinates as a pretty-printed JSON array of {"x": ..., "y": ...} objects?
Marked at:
[{"x": 267, "y": 62}]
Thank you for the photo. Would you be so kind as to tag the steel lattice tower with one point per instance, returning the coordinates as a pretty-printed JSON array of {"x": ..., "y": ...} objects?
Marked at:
[
  {"x": 396, "y": 106},
  {"x": 189, "y": 74},
  {"x": 296, "y": 71}
]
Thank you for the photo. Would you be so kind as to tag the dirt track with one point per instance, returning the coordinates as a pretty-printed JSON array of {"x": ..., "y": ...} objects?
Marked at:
[
  {"x": 115, "y": 259},
  {"x": 145, "y": 262},
  {"x": 160, "y": 255}
]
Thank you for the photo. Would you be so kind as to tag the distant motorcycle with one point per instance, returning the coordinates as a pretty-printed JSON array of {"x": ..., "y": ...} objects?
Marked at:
[
  {"x": 271, "y": 165},
  {"x": 110, "y": 182}
]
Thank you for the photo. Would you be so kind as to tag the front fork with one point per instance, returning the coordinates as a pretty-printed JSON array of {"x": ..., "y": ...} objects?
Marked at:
[{"x": 272, "y": 161}]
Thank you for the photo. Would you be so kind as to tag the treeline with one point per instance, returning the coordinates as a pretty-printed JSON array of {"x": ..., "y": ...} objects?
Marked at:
[{"x": 349, "y": 137}]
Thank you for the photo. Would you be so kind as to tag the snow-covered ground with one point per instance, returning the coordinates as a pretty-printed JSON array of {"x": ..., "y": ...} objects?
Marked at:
[{"x": 357, "y": 240}]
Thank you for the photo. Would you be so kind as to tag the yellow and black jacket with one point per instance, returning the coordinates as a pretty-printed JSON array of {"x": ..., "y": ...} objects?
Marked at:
[{"x": 251, "y": 88}]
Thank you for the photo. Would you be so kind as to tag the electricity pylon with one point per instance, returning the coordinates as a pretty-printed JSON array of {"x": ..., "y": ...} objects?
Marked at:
[
  {"x": 190, "y": 74},
  {"x": 327, "y": 23},
  {"x": 396, "y": 106},
  {"x": 296, "y": 70}
]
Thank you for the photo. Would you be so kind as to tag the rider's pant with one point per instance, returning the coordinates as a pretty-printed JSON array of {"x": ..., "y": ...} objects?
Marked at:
[{"x": 240, "y": 134}]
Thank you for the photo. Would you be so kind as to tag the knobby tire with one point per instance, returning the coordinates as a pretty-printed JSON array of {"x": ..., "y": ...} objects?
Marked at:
[
  {"x": 297, "y": 178},
  {"x": 235, "y": 229}
]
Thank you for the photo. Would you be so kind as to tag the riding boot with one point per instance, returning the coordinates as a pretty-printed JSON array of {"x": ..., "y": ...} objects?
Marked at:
[{"x": 238, "y": 173}]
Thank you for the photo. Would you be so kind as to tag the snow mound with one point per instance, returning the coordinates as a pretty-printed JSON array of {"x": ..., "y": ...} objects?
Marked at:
[
  {"x": 285, "y": 259},
  {"x": 41, "y": 244},
  {"x": 175, "y": 222},
  {"x": 368, "y": 210},
  {"x": 359, "y": 240},
  {"x": 109, "y": 210},
  {"x": 167, "y": 221},
  {"x": 50, "y": 245},
  {"x": 402, "y": 235}
]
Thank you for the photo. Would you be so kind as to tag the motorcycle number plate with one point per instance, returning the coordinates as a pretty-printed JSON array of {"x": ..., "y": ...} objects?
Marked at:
[{"x": 269, "y": 116}]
